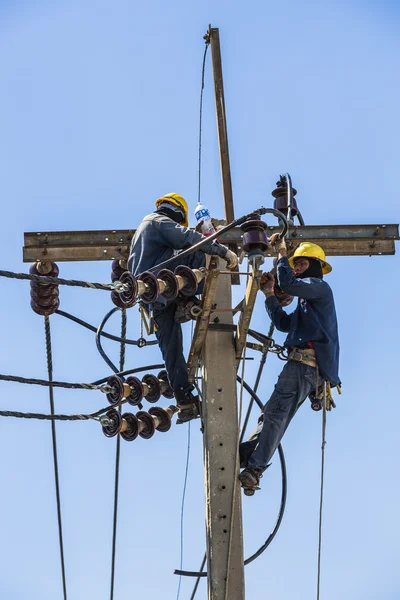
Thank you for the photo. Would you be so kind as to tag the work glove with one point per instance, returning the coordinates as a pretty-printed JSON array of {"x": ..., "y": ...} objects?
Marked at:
[
  {"x": 267, "y": 283},
  {"x": 277, "y": 244},
  {"x": 232, "y": 260}
]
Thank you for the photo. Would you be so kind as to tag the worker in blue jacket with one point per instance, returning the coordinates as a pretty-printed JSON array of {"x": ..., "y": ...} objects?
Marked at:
[
  {"x": 158, "y": 238},
  {"x": 313, "y": 346}
]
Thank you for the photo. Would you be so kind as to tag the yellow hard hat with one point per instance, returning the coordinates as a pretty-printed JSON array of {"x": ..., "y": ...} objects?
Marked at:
[
  {"x": 178, "y": 201},
  {"x": 309, "y": 250}
]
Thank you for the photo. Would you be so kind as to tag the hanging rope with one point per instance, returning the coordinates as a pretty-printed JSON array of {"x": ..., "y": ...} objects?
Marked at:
[
  {"x": 55, "y": 458},
  {"x": 207, "y": 39},
  {"x": 323, "y": 444},
  {"x": 117, "y": 461}
]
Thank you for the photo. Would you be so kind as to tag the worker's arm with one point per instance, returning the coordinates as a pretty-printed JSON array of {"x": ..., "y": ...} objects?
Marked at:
[
  {"x": 179, "y": 238},
  {"x": 309, "y": 288},
  {"x": 279, "y": 318}
]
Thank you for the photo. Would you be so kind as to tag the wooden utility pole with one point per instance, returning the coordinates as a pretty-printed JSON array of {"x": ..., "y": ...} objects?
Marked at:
[{"x": 220, "y": 352}]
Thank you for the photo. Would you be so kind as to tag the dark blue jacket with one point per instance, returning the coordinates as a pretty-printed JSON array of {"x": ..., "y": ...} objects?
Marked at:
[
  {"x": 158, "y": 238},
  {"x": 314, "y": 319}
]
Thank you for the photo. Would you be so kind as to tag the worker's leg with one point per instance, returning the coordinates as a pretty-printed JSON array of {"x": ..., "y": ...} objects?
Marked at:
[
  {"x": 294, "y": 385},
  {"x": 169, "y": 336}
]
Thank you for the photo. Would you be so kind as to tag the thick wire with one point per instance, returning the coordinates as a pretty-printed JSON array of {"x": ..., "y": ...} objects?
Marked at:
[
  {"x": 183, "y": 508},
  {"x": 257, "y": 382},
  {"x": 55, "y": 457},
  {"x": 323, "y": 444},
  {"x": 282, "y": 503},
  {"x": 213, "y": 236},
  {"x": 117, "y": 462},
  {"x": 52, "y": 384},
  {"x": 109, "y": 336},
  {"x": 98, "y": 340},
  {"x": 117, "y": 286},
  {"x": 201, "y": 117}
]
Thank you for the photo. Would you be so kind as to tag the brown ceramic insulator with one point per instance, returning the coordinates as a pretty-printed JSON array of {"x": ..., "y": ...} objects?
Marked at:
[
  {"x": 189, "y": 278},
  {"x": 47, "y": 302},
  {"x": 45, "y": 311},
  {"x": 136, "y": 395},
  {"x": 154, "y": 388},
  {"x": 152, "y": 291},
  {"x": 167, "y": 392},
  {"x": 281, "y": 199},
  {"x": 117, "y": 392},
  {"x": 54, "y": 271},
  {"x": 163, "y": 419},
  {"x": 117, "y": 300},
  {"x": 130, "y": 429},
  {"x": 114, "y": 425},
  {"x": 255, "y": 239},
  {"x": 172, "y": 286},
  {"x": 44, "y": 291},
  {"x": 129, "y": 296},
  {"x": 147, "y": 426}
]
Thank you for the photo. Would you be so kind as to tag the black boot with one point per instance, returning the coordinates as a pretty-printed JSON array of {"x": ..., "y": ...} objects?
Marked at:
[
  {"x": 187, "y": 309},
  {"x": 188, "y": 404}
]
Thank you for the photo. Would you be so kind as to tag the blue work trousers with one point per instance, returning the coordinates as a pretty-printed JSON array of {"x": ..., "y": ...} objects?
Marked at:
[
  {"x": 295, "y": 383},
  {"x": 169, "y": 332}
]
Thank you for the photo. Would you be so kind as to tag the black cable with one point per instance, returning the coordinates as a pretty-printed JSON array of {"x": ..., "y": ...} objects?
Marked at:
[
  {"x": 117, "y": 461},
  {"x": 213, "y": 236},
  {"x": 98, "y": 340},
  {"x": 258, "y": 378},
  {"x": 53, "y": 384},
  {"x": 201, "y": 115},
  {"x": 55, "y": 458},
  {"x": 282, "y": 505},
  {"x": 131, "y": 371},
  {"x": 62, "y": 313}
]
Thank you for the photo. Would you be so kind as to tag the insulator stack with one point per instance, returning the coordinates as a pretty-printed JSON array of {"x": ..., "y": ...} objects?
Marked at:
[
  {"x": 281, "y": 198},
  {"x": 255, "y": 240},
  {"x": 147, "y": 287},
  {"x": 133, "y": 390},
  {"x": 44, "y": 296},
  {"x": 117, "y": 269},
  {"x": 142, "y": 424}
]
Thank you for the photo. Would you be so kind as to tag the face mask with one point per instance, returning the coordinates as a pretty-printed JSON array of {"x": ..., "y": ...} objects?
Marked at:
[
  {"x": 171, "y": 211},
  {"x": 314, "y": 270}
]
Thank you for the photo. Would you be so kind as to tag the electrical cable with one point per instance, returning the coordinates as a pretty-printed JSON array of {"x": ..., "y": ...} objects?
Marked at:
[
  {"x": 109, "y": 336},
  {"x": 183, "y": 506},
  {"x": 323, "y": 444},
  {"x": 225, "y": 229},
  {"x": 117, "y": 286},
  {"x": 55, "y": 457},
  {"x": 282, "y": 503},
  {"x": 117, "y": 462}
]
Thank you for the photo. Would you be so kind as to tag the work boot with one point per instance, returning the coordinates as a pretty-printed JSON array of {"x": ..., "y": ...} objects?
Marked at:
[
  {"x": 249, "y": 480},
  {"x": 246, "y": 449},
  {"x": 188, "y": 404},
  {"x": 187, "y": 309}
]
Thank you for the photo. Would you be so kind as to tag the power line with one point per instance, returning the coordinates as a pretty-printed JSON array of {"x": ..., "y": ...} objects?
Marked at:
[{"x": 55, "y": 458}]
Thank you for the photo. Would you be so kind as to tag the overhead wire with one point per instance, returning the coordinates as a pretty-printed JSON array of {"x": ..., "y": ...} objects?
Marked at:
[
  {"x": 117, "y": 462},
  {"x": 323, "y": 444},
  {"x": 55, "y": 456}
]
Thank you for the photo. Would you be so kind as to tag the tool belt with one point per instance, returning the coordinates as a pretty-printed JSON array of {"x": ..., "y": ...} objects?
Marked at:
[{"x": 303, "y": 355}]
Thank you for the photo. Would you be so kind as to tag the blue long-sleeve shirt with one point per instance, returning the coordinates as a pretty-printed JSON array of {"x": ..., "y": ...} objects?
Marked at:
[
  {"x": 158, "y": 238},
  {"x": 314, "y": 319}
]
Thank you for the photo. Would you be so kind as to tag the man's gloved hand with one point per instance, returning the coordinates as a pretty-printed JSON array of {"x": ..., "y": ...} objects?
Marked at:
[
  {"x": 277, "y": 244},
  {"x": 232, "y": 260},
  {"x": 267, "y": 283}
]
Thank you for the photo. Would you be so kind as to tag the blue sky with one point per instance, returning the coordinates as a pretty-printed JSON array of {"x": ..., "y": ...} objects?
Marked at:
[{"x": 99, "y": 116}]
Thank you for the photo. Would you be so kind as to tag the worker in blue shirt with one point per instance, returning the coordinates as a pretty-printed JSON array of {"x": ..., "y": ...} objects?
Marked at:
[
  {"x": 158, "y": 238},
  {"x": 313, "y": 346}
]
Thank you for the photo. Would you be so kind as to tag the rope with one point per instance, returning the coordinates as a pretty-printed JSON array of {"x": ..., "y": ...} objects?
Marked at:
[
  {"x": 116, "y": 286},
  {"x": 228, "y": 565},
  {"x": 117, "y": 461},
  {"x": 183, "y": 506},
  {"x": 55, "y": 458},
  {"x": 322, "y": 489}
]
